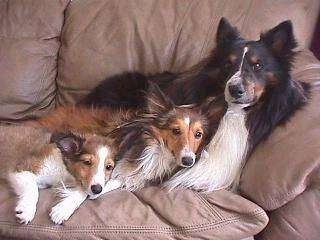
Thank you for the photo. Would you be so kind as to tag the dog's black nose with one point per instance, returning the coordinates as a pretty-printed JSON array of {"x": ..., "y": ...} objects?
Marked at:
[
  {"x": 236, "y": 90},
  {"x": 96, "y": 189},
  {"x": 187, "y": 161}
]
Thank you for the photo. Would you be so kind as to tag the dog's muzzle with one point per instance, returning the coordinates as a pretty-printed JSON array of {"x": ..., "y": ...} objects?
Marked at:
[{"x": 187, "y": 161}]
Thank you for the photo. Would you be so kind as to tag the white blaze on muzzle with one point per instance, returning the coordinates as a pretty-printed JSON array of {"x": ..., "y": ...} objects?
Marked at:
[
  {"x": 99, "y": 177},
  {"x": 235, "y": 78}
]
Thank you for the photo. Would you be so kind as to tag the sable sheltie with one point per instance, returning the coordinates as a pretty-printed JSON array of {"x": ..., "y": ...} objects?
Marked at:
[
  {"x": 163, "y": 140},
  {"x": 151, "y": 144},
  {"x": 261, "y": 95},
  {"x": 34, "y": 158}
]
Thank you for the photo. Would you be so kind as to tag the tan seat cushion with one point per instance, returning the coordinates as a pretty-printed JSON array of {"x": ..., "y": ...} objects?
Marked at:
[
  {"x": 29, "y": 43},
  {"x": 151, "y": 213}
]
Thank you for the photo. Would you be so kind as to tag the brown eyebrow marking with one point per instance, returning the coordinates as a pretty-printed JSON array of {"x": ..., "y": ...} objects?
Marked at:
[
  {"x": 254, "y": 59},
  {"x": 272, "y": 78},
  {"x": 233, "y": 58}
]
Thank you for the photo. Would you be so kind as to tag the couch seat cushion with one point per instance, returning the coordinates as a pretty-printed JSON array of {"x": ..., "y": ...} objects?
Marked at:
[{"x": 151, "y": 213}]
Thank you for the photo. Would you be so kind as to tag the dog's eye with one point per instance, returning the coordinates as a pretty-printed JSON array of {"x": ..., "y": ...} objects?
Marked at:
[
  {"x": 87, "y": 162},
  {"x": 257, "y": 66},
  {"x": 109, "y": 167},
  {"x": 176, "y": 131},
  {"x": 198, "y": 135}
]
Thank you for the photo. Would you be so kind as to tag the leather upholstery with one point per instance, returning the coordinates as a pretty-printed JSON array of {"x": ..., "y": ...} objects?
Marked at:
[
  {"x": 102, "y": 37},
  {"x": 151, "y": 36},
  {"x": 151, "y": 213},
  {"x": 29, "y": 44}
]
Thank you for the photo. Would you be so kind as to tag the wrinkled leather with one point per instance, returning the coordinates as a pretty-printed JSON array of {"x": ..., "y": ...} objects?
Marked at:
[
  {"x": 288, "y": 162},
  {"x": 282, "y": 175},
  {"x": 151, "y": 213},
  {"x": 29, "y": 44},
  {"x": 103, "y": 37},
  {"x": 299, "y": 219}
]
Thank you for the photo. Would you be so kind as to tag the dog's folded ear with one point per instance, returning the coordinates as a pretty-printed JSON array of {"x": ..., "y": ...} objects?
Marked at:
[
  {"x": 157, "y": 102},
  {"x": 280, "y": 39},
  {"x": 226, "y": 32},
  {"x": 68, "y": 143}
]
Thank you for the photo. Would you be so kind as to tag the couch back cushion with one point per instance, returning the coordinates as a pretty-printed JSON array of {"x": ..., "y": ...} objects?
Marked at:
[
  {"x": 102, "y": 38},
  {"x": 29, "y": 43}
]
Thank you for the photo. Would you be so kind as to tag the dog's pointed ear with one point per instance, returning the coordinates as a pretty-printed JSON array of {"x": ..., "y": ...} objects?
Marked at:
[
  {"x": 226, "y": 33},
  {"x": 280, "y": 39},
  {"x": 157, "y": 101},
  {"x": 68, "y": 143}
]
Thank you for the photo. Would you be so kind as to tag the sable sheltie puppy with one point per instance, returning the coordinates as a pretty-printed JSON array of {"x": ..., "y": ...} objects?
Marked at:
[
  {"x": 261, "y": 95},
  {"x": 164, "y": 139},
  {"x": 33, "y": 158}
]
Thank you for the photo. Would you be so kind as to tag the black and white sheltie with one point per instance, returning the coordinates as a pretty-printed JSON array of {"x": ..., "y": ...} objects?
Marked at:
[
  {"x": 261, "y": 95},
  {"x": 255, "y": 79}
]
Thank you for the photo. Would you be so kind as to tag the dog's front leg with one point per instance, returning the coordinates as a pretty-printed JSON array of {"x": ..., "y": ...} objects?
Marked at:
[
  {"x": 72, "y": 199},
  {"x": 25, "y": 187}
]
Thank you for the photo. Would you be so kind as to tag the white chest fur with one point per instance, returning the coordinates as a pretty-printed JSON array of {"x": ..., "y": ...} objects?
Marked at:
[
  {"x": 53, "y": 171},
  {"x": 156, "y": 162},
  {"x": 221, "y": 166}
]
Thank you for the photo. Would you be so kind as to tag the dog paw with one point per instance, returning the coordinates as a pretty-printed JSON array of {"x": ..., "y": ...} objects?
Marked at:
[
  {"x": 25, "y": 213},
  {"x": 60, "y": 213}
]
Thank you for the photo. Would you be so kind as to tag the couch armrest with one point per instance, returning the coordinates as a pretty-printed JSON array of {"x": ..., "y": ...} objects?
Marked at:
[
  {"x": 299, "y": 219},
  {"x": 288, "y": 162}
]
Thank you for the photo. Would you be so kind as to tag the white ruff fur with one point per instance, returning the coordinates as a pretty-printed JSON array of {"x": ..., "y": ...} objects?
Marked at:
[
  {"x": 220, "y": 167},
  {"x": 53, "y": 172},
  {"x": 100, "y": 176},
  {"x": 222, "y": 164},
  {"x": 156, "y": 162}
]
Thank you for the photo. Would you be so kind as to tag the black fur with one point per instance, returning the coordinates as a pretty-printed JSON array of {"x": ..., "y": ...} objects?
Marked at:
[
  {"x": 279, "y": 101},
  {"x": 282, "y": 95},
  {"x": 126, "y": 90}
]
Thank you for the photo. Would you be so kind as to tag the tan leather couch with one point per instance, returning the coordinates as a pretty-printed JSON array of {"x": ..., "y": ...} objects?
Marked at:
[{"x": 53, "y": 52}]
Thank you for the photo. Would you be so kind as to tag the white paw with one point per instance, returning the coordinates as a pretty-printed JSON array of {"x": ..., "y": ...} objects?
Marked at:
[
  {"x": 25, "y": 212},
  {"x": 61, "y": 212}
]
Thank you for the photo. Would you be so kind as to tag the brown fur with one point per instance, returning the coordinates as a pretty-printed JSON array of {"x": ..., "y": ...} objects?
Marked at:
[
  {"x": 186, "y": 136},
  {"x": 150, "y": 149},
  {"x": 85, "y": 120},
  {"x": 24, "y": 148},
  {"x": 84, "y": 165}
]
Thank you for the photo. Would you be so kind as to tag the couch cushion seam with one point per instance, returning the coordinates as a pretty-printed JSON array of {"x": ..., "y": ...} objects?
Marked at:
[
  {"x": 132, "y": 229},
  {"x": 128, "y": 231},
  {"x": 210, "y": 208}
]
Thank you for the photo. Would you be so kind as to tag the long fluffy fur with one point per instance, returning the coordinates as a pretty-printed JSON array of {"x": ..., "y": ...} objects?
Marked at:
[
  {"x": 221, "y": 166},
  {"x": 155, "y": 164}
]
